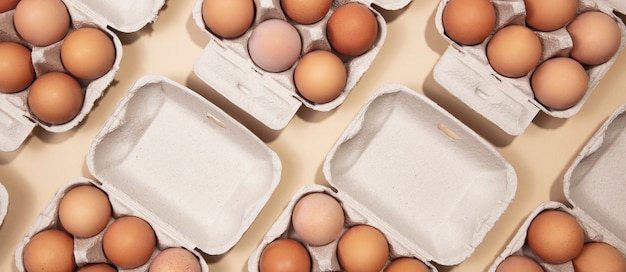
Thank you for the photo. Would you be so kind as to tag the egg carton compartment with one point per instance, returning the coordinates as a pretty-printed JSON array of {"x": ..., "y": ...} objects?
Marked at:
[
  {"x": 4, "y": 203},
  {"x": 594, "y": 185},
  {"x": 89, "y": 250},
  {"x": 15, "y": 115},
  {"x": 509, "y": 102},
  {"x": 419, "y": 195},
  {"x": 272, "y": 98},
  {"x": 156, "y": 157}
]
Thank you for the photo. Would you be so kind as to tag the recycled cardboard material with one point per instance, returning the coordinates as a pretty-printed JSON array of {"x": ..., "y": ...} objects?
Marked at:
[
  {"x": 171, "y": 157},
  {"x": 16, "y": 121},
  {"x": 594, "y": 186},
  {"x": 509, "y": 102},
  {"x": 272, "y": 97},
  {"x": 434, "y": 187}
]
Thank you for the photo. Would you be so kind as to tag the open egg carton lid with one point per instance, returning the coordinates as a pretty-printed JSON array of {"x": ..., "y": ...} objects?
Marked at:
[
  {"x": 509, "y": 102},
  {"x": 184, "y": 163},
  {"x": 16, "y": 121},
  {"x": 4, "y": 203},
  {"x": 270, "y": 97},
  {"x": 426, "y": 179},
  {"x": 594, "y": 185}
]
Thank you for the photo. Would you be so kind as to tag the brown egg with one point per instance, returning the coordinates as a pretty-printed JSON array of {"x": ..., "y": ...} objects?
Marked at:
[
  {"x": 318, "y": 219},
  {"x": 88, "y": 53},
  {"x": 84, "y": 211},
  {"x": 555, "y": 236},
  {"x": 559, "y": 83},
  {"x": 549, "y": 15},
  {"x": 306, "y": 11},
  {"x": 228, "y": 19},
  {"x": 595, "y": 36},
  {"x": 49, "y": 251},
  {"x": 6, "y": 5},
  {"x": 599, "y": 256},
  {"x": 519, "y": 263},
  {"x": 285, "y": 255},
  {"x": 175, "y": 259},
  {"x": 129, "y": 242},
  {"x": 55, "y": 98},
  {"x": 41, "y": 23},
  {"x": 362, "y": 248},
  {"x": 16, "y": 67},
  {"x": 407, "y": 265},
  {"x": 514, "y": 51},
  {"x": 101, "y": 267},
  {"x": 352, "y": 29},
  {"x": 320, "y": 76},
  {"x": 468, "y": 22}
]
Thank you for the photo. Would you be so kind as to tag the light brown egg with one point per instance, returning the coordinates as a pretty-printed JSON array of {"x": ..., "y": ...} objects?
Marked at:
[
  {"x": 555, "y": 236},
  {"x": 320, "y": 76},
  {"x": 275, "y": 45},
  {"x": 318, "y": 219},
  {"x": 41, "y": 22},
  {"x": 285, "y": 255},
  {"x": 129, "y": 242},
  {"x": 16, "y": 67},
  {"x": 306, "y": 11},
  {"x": 55, "y": 98},
  {"x": 514, "y": 51},
  {"x": 84, "y": 211},
  {"x": 228, "y": 19},
  {"x": 352, "y": 29},
  {"x": 175, "y": 259},
  {"x": 406, "y": 264},
  {"x": 100, "y": 267},
  {"x": 599, "y": 256},
  {"x": 88, "y": 53},
  {"x": 519, "y": 263},
  {"x": 468, "y": 22},
  {"x": 559, "y": 83},
  {"x": 362, "y": 248},
  {"x": 6, "y": 5},
  {"x": 595, "y": 36},
  {"x": 549, "y": 15},
  {"x": 49, "y": 251}
]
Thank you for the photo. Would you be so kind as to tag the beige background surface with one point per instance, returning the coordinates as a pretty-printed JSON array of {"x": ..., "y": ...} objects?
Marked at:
[{"x": 171, "y": 45}]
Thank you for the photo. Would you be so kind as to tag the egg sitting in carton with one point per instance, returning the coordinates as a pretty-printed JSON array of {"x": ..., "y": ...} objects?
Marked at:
[
  {"x": 521, "y": 56},
  {"x": 272, "y": 56},
  {"x": 57, "y": 57}
]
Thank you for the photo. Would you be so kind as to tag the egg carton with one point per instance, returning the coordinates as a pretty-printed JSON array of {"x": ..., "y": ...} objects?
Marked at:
[
  {"x": 272, "y": 97},
  {"x": 509, "y": 102},
  {"x": 16, "y": 120},
  {"x": 4, "y": 203},
  {"x": 434, "y": 188},
  {"x": 594, "y": 185},
  {"x": 171, "y": 157}
]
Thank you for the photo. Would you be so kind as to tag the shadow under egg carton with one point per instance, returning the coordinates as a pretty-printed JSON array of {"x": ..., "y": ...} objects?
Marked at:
[
  {"x": 594, "y": 186},
  {"x": 89, "y": 250},
  {"x": 15, "y": 115},
  {"x": 419, "y": 198},
  {"x": 509, "y": 102},
  {"x": 270, "y": 97}
]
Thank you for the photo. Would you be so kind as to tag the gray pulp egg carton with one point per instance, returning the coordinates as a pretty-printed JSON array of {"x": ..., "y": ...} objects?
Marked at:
[
  {"x": 509, "y": 102},
  {"x": 270, "y": 97},
  {"x": 16, "y": 121},
  {"x": 407, "y": 167},
  {"x": 171, "y": 157},
  {"x": 594, "y": 186},
  {"x": 4, "y": 203}
]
